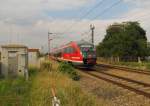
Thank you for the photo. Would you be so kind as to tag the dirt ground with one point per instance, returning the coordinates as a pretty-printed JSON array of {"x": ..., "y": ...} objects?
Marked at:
[
  {"x": 135, "y": 76},
  {"x": 111, "y": 95}
]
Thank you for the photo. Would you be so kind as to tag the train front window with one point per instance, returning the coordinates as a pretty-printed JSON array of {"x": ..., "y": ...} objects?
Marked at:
[{"x": 86, "y": 48}]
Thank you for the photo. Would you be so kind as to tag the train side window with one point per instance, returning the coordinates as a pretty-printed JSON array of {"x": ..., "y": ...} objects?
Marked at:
[
  {"x": 66, "y": 50},
  {"x": 72, "y": 50},
  {"x": 69, "y": 50}
]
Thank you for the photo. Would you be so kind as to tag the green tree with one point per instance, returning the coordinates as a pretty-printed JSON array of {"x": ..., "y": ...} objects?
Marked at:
[{"x": 127, "y": 39}]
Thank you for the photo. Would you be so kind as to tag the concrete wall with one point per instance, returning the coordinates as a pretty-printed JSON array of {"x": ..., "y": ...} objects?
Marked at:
[
  {"x": 22, "y": 54},
  {"x": 0, "y": 68},
  {"x": 0, "y": 60},
  {"x": 33, "y": 58}
]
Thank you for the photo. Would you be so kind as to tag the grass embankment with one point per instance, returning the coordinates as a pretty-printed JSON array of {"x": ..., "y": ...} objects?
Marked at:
[
  {"x": 37, "y": 91},
  {"x": 16, "y": 91},
  {"x": 67, "y": 90}
]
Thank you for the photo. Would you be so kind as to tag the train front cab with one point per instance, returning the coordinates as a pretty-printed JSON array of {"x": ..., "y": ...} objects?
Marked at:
[{"x": 88, "y": 53}]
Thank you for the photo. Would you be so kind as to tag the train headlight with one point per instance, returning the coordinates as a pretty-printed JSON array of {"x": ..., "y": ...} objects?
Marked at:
[{"x": 89, "y": 56}]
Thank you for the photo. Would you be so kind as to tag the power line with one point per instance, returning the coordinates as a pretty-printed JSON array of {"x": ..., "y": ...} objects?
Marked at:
[
  {"x": 92, "y": 9},
  {"x": 107, "y": 9},
  {"x": 85, "y": 33},
  {"x": 86, "y": 14}
]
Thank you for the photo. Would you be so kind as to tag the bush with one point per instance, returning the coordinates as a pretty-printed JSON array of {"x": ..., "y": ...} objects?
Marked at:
[
  {"x": 68, "y": 69},
  {"x": 33, "y": 71},
  {"x": 46, "y": 65}
]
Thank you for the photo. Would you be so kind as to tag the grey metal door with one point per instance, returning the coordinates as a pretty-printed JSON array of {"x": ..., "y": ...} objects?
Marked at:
[{"x": 12, "y": 63}]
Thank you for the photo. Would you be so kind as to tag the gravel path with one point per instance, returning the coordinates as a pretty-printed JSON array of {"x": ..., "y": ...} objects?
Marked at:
[{"x": 111, "y": 95}]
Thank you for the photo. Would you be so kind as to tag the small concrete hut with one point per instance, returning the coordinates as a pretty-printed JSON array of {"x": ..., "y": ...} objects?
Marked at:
[{"x": 14, "y": 60}]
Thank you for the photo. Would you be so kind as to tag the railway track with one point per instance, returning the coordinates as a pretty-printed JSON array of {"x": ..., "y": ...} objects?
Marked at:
[
  {"x": 139, "y": 71},
  {"x": 138, "y": 87}
]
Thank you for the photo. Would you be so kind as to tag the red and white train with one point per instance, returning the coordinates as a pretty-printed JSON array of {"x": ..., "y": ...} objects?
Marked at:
[{"x": 77, "y": 53}]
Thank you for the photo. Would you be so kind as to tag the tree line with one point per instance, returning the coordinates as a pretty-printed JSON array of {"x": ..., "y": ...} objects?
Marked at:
[{"x": 126, "y": 40}]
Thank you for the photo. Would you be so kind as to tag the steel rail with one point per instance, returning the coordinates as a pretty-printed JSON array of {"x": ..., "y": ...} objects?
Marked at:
[
  {"x": 139, "y": 71},
  {"x": 124, "y": 78},
  {"x": 137, "y": 91}
]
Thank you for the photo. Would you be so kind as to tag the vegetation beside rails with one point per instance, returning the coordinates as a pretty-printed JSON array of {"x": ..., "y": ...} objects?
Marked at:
[
  {"x": 46, "y": 65},
  {"x": 67, "y": 90},
  {"x": 16, "y": 91},
  {"x": 37, "y": 91},
  {"x": 67, "y": 68},
  {"x": 70, "y": 93}
]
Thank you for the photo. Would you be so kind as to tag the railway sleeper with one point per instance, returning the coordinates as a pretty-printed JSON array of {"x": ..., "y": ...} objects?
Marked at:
[
  {"x": 146, "y": 89},
  {"x": 138, "y": 91}
]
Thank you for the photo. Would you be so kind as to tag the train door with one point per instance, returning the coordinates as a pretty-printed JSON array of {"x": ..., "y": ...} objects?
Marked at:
[
  {"x": 75, "y": 55},
  {"x": 66, "y": 54}
]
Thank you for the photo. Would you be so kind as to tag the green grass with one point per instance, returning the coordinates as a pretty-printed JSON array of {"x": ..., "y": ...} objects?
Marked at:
[
  {"x": 37, "y": 91},
  {"x": 69, "y": 69},
  {"x": 74, "y": 96},
  {"x": 46, "y": 65},
  {"x": 67, "y": 90},
  {"x": 16, "y": 91}
]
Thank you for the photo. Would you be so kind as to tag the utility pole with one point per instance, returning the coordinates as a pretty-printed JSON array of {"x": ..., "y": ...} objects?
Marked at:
[
  {"x": 55, "y": 100},
  {"x": 49, "y": 43},
  {"x": 92, "y": 27}
]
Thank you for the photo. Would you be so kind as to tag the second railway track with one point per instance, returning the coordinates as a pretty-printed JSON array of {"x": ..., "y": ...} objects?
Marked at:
[
  {"x": 138, "y": 87},
  {"x": 132, "y": 70}
]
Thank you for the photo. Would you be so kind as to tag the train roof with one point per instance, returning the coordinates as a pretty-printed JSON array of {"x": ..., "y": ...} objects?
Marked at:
[{"x": 84, "y": 42}]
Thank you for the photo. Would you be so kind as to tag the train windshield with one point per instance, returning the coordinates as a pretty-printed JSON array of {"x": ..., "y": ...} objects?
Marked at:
[{"x": 87, "y": 48}]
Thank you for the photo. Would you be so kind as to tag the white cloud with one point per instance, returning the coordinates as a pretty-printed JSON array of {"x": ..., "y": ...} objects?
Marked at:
[
  {"x": 35, "y": 35},
  {"x": 140, "y": 13},
  {"x": 29, "y": 11},
  {"x": 140, "y": 3},
  {"x": 28, "y": 18},
  {"x": 25, "y": 21}
]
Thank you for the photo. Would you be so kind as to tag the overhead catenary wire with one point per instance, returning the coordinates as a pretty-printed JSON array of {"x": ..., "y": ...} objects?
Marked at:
[
  {"x": 107, "y": 9},
  {"x": 91, "y": 10},
  {"x": 83, "y": 34},
  {"x": 86, "y": 14}
]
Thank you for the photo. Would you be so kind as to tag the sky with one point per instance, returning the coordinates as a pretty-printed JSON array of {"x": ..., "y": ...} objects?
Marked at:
[{"x": 29, "y": 21}]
